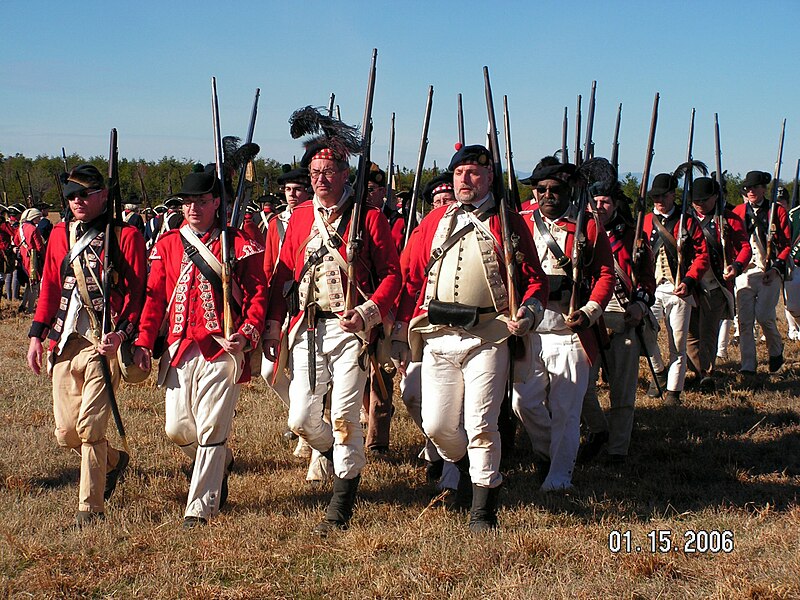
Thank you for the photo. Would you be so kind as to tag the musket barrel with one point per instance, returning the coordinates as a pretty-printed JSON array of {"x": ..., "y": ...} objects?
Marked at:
[
  {"x": 460, "y": 122},
  {"x": 411, "y": 219}
]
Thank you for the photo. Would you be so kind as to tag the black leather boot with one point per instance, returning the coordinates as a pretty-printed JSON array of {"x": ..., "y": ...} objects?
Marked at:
[
  {"x": 483, "y": 515},
  {"x": 340, "y": 508}
]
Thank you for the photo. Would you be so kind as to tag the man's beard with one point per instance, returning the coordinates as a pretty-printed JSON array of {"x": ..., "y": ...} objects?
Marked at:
[{"x": 467, "y": 196}]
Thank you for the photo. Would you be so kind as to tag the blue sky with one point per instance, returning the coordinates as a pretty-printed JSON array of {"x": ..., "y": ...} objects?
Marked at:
[{"x": 72, "y": 71}]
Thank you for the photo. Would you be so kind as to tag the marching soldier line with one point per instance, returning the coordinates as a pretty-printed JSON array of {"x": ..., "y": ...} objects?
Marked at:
[{"x": 490, "y": 315}]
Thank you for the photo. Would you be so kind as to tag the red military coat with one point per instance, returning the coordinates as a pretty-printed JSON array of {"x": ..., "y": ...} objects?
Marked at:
[
  {"x": 696, "y": 251},
  {"x": 377, "y": 270},
  {"x": 599, "y": 270},
  {"x": 32, "y": 241},
  {"x": 196, "y": 312},
  {"x": 251, "y": 228},
  {"x": 737, "y": 244},
  {"x": 782, "y": 230},
  {"x": 621, "y": 235},
  {"x": 127, "y": 293},
  {"x": 531, "y": 281}
]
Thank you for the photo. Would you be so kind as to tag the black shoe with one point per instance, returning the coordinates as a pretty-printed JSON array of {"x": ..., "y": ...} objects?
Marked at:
[
  {"x": 340, "y": 507},
  {"x": 433, "y": 470},
  {"x": 192, "y": 522},
  {"x": 223, "y": 492},
  {"x": 775, "y": 363},
  {"x": 591, "y": 447},
  {"x": 483, "y": 514},
  {"x": 86, "y": 517},
  {"x": 672, "y": 398},
  {"x": 289, "y": 435},
  {"x": 616, "y": 460},
  {"x": 325, "y": 527},
  {"x": 115, "y": 475},
  {"x": 708, "y": 385},
  {"x": 652, "y": 391}
]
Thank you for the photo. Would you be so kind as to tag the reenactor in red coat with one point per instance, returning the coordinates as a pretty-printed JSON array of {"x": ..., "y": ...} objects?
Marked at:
[
  {"x": 202, "y": 369},
  {"x": 69, "y": 314},
  {"x": 548, "y": 400}
]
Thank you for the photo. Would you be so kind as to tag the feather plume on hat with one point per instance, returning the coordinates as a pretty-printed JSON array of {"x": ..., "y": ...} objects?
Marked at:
[
  {"x": 341, "y": 138},
  {"x": 694, "y": 165}
]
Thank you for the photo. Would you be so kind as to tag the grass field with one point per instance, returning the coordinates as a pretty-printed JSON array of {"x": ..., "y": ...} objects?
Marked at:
[{"x": 726, "y": 463}]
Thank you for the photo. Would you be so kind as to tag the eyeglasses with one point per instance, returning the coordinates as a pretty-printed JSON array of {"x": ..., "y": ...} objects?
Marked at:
[
  {"x": 328, "y": 173},
  {"x": 83, "y": 194},
  {"x": 748, "y": 188},
  {"x": 555, "y": 190}
]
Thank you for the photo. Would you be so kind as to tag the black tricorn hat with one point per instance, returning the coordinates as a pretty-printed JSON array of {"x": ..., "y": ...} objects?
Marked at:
[
  {"x": 82, "y": 177},
  {"x": 754, "y": 178},
  {"x": 173, "y": 202},
  {"x": 441, "y": 183},
  {"x": 197, "y": 184},
  {"x": 549, "y": 168},
  {"x": 299, "y": 175},
  {"x": 473, "y": 155},
  {"x": 663, "y": 183},
  {"x": 703, "y": 188},
  {"x": 376, "y": 175}
]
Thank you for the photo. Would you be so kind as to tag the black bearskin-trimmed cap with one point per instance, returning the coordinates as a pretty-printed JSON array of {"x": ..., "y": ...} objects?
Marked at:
[
  {"x": 376, "y": 175},
  {"x": 663, "y": 183},
  {"x": 470, "y": 155},
  {"x": 703, "y": 188},
  {"x": 550, "y": 168},
  {"x": 82, "y": 177},
  {"x": 754, "y": 178},
  {"x": 441, "y": 183},
  {"x": 290, "y": 175},
  {"x": 197, "y": 184}
]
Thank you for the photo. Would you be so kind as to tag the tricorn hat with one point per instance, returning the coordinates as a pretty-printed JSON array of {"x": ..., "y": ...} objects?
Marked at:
[
  {"x": 663, "y": 183},
  {"x": 197, "y": 184},
  {"x": 754, "y": 178},
  {"x": 376, "y": 175},
  {"x": 703, "y": 188},
  {"x": 82, "y": 177}
]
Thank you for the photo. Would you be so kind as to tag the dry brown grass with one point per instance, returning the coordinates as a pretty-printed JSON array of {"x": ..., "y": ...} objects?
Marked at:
[{"x": 728, "y": 462}]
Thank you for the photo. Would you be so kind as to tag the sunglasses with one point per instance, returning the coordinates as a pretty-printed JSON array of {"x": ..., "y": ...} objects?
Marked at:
[
  {"x": 83, "y": 194},
  {"x": 553, "y": 189}
]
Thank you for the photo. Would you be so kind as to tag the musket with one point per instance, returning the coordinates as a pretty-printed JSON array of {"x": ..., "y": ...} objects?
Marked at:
[
  {"x": 772, "y": 229},
  {"x": 460, "y": 121},
  {"x": 578, "y": 157},
  {"x": 330, "y": 104},
  {"x": 227, "y": 257},
  {"x": 685, "y": 200},
  {"x": 507, "y": 201},
  {"x": 411, "y": 209},
  {"x": 355, "y": 240},
  {"x": 502, "y": 196},
  {"x": 719, "y": 213},
  {"x": 30, "y": 189},
  {"x": 64, "y": 159},
  {"x": 19, "y": 181},
  {"x": 615, "y": 143},
  {"x": 145, "y": 197},
  {"x": 588, "y": 153},
  {"x": 793, "y": 201},
  {"x": 579, "y": 242},
  {"x": 641, "y": 200},
  {"x": 390, "y": 170},
  {"x": 338, "y": 112},
  {"x": 113, "y": 217},
  {"x": 513, "y": 188},
  {"x": 245, "y": 184},
  {"x": 66, "y": 213},
  {"x": 564, "y": 146}
]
